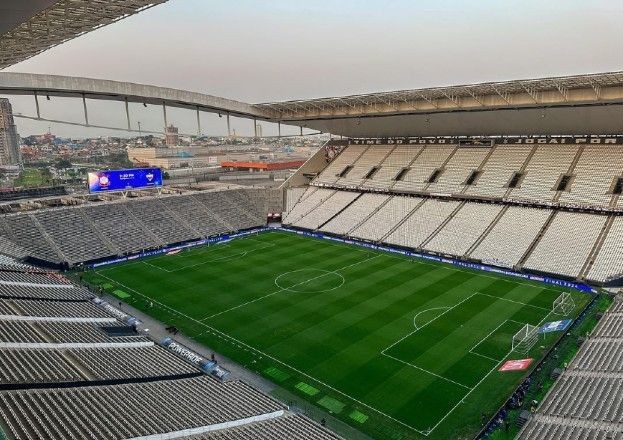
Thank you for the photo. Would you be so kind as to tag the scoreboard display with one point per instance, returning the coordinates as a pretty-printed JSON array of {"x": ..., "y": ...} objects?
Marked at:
[{"x": 123, "y": 180}]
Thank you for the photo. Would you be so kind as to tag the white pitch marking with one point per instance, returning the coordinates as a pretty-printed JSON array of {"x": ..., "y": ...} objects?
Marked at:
[
  {"x": 424, "y": 311},
  {"x": 283, "y": 290},
  {"x": 226, "y": 336}
]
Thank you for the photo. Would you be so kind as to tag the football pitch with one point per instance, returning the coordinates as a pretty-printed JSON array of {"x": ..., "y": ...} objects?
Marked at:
[{"x": 396, "y": 347}]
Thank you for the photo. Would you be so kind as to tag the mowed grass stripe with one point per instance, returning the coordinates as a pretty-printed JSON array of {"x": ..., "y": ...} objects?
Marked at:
[{"x": 337, "y": 336}]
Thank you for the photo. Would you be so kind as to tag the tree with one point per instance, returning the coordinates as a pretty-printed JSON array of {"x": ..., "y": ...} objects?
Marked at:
[{"x": 62, "y": 164}]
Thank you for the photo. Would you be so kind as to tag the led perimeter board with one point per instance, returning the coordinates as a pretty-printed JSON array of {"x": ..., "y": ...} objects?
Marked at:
[{"x": 123, "y": 180}]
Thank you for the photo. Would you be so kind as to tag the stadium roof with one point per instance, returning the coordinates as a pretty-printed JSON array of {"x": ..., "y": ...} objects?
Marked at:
[
  {"x": 454, "y": 95},
  {"x": 581, "y": 104},
  {"x": 29, "y": 27}
]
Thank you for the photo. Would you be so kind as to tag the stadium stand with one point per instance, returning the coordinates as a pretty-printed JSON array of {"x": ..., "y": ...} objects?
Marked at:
[
  {"x": 608, "y": 262},
  {"x": 83, "y": 233},
  {"x": 585, "y": 402},
  {"x": 306, "y": 204},
  {"x": 511, "y": 236},
  {"x": 352, "y": 216},
  {"x": 542, "y": 197},
  {"x": 398, "y": 159},
  {"x": 327, "y": 210},
  {"x": 593, "y": 176},
  {"x": 456, "y": 172},
  {"x": 385, "y": 218},
  {"x": 339, "y": 167},
  {"x": 504, "y": 161},
  {"x": 63, "y": 377},
  {"x": 460, "y": 232},
  {"x": 423, "y": 222},
  {"x": 544, "y": 170},
  {"x": 292, "y": 427},
  {"x": 574, "y": 232},
  {"x": 427, "y": 164}
]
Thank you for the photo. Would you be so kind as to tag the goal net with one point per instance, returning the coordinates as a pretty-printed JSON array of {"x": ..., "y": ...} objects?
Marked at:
[
  {"x": 525, "y": 338},
  {"x": 563, "y": 305}
]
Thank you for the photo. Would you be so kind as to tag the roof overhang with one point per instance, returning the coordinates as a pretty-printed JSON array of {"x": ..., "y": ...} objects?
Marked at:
[
  {"x": 29, "y": 27},
  {"x": 89, "y": 88},
  {"x": 581, "y": 104}
]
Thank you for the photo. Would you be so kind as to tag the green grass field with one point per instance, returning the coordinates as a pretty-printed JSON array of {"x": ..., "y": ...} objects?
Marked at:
[
  {"x": 398, "y": 348},
  {"x": 33, "y": 177}
]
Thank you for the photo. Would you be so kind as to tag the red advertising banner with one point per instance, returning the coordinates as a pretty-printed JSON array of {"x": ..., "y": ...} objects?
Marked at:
[{"x": 516, "y": 365}]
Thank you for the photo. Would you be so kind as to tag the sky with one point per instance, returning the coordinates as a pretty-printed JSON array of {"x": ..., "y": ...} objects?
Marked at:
[{"x": 270, "y": 50}]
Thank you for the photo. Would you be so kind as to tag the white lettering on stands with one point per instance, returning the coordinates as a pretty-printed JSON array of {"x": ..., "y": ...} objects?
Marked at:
[{"x": 185, "y": 353}]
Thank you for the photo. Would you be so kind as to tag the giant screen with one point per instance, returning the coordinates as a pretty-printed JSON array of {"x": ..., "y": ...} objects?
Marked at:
[{"x": 122, "y": 180}]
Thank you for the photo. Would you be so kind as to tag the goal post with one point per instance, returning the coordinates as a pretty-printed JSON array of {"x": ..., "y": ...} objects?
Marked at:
[
  {"x": 525, "y": 338},
  {"x": 563, "y": 305}
]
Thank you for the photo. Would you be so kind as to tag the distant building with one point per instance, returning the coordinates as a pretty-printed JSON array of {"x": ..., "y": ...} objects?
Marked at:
[
  {"x": 9, "y": 139},
  {"x": 172, "y": 137}
]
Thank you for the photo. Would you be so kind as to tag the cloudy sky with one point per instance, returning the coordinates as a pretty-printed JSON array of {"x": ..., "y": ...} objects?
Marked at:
[{"x": 270, "y": 50}]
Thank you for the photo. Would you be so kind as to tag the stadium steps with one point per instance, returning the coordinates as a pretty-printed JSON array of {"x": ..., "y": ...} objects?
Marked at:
[
  {"x": 442, "y": 225},
  {"x": 570, "y": 171},
  {"x": 313, "y": 207},
  {"x": 201, "y": 204},
  {"x": 340, "y": 211},
  {"x": 592, "y": 256},
  {"x": 522, "y": 169},
  {"x": 109, "y": 244},
  {"x": 142, "y": 225},
  {"x": 409, "y": 214},
  {"x": 481, "y": 166},
  {"x": 183, "y": 222},
  {"x": 443, "y": 165},
  {"x": 47, "y": 238},
  {"x": 409, "y": 165},
  {"x": 77, "y": 365},
  {"x": 536, "y": 241},
  {"x": 362, "y": 221},
  {"x": 486, "y": 231}
]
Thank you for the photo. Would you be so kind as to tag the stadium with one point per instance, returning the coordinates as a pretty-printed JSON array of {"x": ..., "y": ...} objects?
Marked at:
[{"x": 446, "y": 266}]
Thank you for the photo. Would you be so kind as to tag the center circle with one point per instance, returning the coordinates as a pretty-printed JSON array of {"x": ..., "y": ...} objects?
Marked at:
[{"x": 309, "y": 281}]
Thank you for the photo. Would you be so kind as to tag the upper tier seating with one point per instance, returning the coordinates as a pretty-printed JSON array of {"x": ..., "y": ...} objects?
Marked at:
[
  {"x": 484, "y": 171},
  {"x": 370, "y": 158},
  {"x": 430, "y": 159},
  {"x": 458, "y": 170},
  {"x": 399, "y": 158},
  {"x": 546, "y": 166},
  {"x": 594, "y": 174},
  {"x": 346, "y": 158},
  {"x": 504, "y": 161}
]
